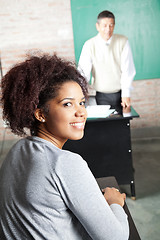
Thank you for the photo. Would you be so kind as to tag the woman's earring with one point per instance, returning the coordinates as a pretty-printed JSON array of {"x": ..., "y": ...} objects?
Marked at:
[{"x": 43, "y": 120}]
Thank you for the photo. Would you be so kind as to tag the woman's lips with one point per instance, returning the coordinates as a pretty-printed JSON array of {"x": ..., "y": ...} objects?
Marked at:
[{"x": 79, "y": 125}]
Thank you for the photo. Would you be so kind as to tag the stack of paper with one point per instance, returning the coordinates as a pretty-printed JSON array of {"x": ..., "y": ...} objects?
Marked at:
[{"x": 99, "y": 111}]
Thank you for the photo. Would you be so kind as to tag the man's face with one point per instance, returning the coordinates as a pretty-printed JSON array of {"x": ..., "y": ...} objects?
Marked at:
[{"x": 105, "y": 27}]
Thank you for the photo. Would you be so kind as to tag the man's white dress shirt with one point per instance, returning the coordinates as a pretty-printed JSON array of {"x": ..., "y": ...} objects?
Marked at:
[{"x": 127, "y": 65}]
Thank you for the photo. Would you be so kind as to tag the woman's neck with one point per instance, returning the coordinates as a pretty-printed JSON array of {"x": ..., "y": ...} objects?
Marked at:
[{"x": 48, "y": 136}]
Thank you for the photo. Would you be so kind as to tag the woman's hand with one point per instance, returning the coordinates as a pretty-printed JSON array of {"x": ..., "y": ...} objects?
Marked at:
[{"x": 112, "y": 195}]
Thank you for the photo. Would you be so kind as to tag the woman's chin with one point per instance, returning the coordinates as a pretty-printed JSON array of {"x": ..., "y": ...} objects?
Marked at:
[{"x": 77, "y": 137}]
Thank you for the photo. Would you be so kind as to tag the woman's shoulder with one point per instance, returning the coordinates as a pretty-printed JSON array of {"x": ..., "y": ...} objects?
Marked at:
[
  {"x": 55, "y": 156},
  {"x": 70, "y": 163},
  {"x": 70, "y": 158}
]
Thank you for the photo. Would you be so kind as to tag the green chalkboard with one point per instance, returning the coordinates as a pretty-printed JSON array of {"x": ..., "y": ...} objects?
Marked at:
[{"x": 139, "y": 20}]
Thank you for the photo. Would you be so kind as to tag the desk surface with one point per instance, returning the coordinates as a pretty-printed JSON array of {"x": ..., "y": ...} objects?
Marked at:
[{"x": 118, "y": 114}]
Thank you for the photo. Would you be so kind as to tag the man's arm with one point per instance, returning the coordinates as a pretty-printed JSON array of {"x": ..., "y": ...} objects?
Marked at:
[
  {"x": 125, "y": 102},
  {"x": 85, "y": 63},
  {"x": 128, "y": 73}
]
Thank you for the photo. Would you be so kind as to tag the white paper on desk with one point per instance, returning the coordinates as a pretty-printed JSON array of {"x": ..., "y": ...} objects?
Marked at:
[{"x": 99, "y": 111}]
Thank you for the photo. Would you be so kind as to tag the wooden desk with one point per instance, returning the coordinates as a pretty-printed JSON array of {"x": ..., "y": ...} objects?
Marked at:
[
  {"x": 106, "y": 147},
  {"x": 111, "y": 182}
]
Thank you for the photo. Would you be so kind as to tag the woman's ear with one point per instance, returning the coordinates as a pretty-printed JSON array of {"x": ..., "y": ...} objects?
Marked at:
[{"x": 39, "y": 115}]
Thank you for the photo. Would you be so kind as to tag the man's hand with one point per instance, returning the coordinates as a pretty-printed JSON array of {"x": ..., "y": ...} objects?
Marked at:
[{"x": 126, "y": 102}]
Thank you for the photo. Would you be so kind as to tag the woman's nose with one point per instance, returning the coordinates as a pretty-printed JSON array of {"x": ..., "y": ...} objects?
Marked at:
[{"x": 81, "y": 112}]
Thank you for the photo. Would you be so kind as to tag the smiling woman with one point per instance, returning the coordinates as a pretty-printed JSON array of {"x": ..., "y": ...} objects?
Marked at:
[
  {"x": 46, "y": 192},
  {"x": 66, "y": 117}
]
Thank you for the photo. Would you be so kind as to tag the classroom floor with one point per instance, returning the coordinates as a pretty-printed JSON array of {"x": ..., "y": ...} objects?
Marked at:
[{"x": 145, "y": 210}]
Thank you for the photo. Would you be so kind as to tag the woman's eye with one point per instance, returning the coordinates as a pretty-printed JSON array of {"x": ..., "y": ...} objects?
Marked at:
[
  {"x": 68, "y": 104},
  {"x": 82, "y": 103}
]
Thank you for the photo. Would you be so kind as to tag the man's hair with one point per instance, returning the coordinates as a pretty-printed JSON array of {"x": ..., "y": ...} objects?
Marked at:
[
  {"x": 105, "y": 14},
  {"x": 30, "y": 85}
]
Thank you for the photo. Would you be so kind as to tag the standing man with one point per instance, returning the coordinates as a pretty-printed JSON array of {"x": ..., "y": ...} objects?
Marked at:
[{"x": 109, "y": 58}]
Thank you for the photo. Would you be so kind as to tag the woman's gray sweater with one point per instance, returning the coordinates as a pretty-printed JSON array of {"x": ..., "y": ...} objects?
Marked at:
[{"x": 49, "y": 193}]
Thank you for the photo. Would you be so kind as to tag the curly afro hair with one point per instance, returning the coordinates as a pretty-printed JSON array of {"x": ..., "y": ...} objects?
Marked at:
[{"x": 30, "y": 84}]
